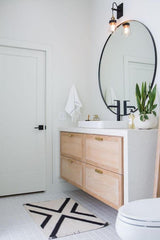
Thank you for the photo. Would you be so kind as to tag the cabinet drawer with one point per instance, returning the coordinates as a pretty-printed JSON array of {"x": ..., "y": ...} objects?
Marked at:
[
  {"x": 104, "y": 185},
  {"x": 72, "y": 145},
  {"x": 105, "y": 152},
  {"x": 71, "y": 170}
]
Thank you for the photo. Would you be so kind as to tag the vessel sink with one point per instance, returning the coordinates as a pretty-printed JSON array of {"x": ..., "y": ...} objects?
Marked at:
[{"x": 103, "y": 124}]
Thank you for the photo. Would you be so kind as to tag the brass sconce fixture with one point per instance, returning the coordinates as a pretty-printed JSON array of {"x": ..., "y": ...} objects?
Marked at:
[
  {"x": 119, "y": 10},
  {"x": 113, "y": 21}
]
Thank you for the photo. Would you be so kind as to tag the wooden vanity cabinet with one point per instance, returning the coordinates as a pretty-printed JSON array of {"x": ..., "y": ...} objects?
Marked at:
[
  {"x": 105, "y": 152},
  {"x": 72, "y": 145},
  {"x": 94, "y": 163},
  {"x": 71, "y": 171},
  {"x": 105, "y": 185}
]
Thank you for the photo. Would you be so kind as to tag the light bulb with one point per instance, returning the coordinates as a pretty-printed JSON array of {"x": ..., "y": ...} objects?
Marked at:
[
  {"x": 112, "y": 24},
  {"x": 126, "y": 29}
]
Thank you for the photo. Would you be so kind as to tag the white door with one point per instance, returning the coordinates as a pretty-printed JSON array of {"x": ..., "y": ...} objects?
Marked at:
[{"x": 22, "y": 108}]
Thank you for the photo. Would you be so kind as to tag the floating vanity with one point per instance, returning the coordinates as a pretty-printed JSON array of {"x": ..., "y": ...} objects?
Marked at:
[{"x": 114, "y": 165}]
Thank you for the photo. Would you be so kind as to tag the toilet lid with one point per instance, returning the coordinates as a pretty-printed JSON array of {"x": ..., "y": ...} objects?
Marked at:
[{"x": 140, "y": 211}]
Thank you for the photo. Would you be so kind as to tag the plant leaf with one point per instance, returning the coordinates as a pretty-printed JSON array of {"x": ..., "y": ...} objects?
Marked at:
[
  {"x": 146, "y": 116},
  {"x": 139, "y": 104},
  {"x": 154, "y": 94},
  {"x": 154, "y": 106},
  {"x": 145, "y": 98},
  {"x": 143, "y": 95},
  {"x": 141, "y": 118},
  {"x": 155, "y": 114},
  {"x": 138, "y": 91}
]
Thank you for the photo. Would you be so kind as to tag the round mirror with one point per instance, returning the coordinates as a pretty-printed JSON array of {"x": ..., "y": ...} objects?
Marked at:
[{"x": 125, "y": 61}]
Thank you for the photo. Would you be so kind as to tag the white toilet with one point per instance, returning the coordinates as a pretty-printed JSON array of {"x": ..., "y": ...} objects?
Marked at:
[{"x": 139, "y": 220}]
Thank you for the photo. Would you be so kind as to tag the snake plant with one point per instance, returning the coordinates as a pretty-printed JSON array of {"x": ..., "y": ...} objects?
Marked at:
[{"x": 145, "y": 97}]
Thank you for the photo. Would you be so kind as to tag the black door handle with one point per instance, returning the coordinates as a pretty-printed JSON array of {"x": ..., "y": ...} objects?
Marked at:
[{"x": 40, "y": 127}]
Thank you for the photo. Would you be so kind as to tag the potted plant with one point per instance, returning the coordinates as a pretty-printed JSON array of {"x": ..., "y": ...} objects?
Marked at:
[{"x": 145, "y": 98}]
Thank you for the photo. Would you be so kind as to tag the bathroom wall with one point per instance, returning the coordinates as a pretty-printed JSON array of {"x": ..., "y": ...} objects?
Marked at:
[
  {"x": 64, "y": 26},
  {"x": 145, "y": 11},
  {"x": 75, "y": 31}
]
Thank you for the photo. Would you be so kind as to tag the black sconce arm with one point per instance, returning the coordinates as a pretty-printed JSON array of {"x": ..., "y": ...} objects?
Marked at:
[{"x": 118, "y": 9}]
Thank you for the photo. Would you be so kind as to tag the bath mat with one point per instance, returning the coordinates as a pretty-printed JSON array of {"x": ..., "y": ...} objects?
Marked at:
[{"x": 63, "y": 217}]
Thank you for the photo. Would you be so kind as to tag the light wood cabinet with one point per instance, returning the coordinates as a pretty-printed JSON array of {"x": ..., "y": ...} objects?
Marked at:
[
  {"x": 104, "y": 185},
  {"x": 105, "y": 152},
  {"x": 94, "y": 163},
  {"x": 114, "y": 165},
  {"x": 72, "y": 145},
  {"x": 71, "y": 170}
]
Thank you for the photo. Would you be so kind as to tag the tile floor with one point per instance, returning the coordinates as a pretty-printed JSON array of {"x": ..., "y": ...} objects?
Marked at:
[{"x": 16, "y": 224}]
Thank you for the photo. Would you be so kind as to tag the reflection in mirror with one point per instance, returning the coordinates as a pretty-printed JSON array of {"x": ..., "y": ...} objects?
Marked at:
[{"x": 124, "y": 62}]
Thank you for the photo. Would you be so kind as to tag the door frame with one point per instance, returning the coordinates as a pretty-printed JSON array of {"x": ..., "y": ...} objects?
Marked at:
[
  {"x": 132, "y": 59},
  {"x": 48, "y": 99}
]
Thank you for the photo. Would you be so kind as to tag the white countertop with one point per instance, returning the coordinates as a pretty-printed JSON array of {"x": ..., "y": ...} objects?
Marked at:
[{"x": 102, "y": 131}]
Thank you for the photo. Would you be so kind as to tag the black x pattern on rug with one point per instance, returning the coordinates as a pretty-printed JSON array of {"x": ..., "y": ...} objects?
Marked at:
[{"x": 53, "y": 234}]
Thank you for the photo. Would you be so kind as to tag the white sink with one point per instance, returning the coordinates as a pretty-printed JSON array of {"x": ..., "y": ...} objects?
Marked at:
[{"x": 103, "y": 124}]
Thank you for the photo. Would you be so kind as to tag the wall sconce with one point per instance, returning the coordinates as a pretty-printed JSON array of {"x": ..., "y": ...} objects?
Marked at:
[
  {"x": 119, "y": 10},
  {"x": 126, "y": 29}
]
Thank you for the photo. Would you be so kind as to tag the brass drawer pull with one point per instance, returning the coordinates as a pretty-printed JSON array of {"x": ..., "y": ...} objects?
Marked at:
[
  {"x": 99, "y": 138},
  {"x": 98, "y": 171},
  {"x": 71, "y": 161},
  {"x": 70, "y": 135}
]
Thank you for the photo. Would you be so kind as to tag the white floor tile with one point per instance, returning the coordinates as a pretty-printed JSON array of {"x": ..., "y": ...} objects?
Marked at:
[{"x": 16, "y": 224}]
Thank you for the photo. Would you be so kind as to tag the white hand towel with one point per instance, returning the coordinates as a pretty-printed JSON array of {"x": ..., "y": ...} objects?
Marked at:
[{"x": 73, "y": 104}]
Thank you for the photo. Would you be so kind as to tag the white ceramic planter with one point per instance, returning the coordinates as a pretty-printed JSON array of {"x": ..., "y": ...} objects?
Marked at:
[{"x": 147, "y": 124}]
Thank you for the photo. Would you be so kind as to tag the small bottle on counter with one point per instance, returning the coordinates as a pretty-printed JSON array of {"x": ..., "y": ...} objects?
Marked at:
[
  {"x": 96, "y": 117},
  {"x": 131, "y": 121},
  {"x": 88, "y": 119}
]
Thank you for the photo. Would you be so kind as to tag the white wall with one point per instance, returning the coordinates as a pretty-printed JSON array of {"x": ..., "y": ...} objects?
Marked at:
[
  {"x": 76, "y": 31},
  {"x": 63, "y": 25},
  {"x": 145, "y": 11}
]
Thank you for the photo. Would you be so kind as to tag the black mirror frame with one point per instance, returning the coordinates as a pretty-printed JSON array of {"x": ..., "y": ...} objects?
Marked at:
[{"x": 155, "y": 69}]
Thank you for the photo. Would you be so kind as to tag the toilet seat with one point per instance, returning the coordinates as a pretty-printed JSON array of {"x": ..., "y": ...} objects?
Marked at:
[
  {"x": 142, "y": 213},
  {"x": 154, "y": 224}
]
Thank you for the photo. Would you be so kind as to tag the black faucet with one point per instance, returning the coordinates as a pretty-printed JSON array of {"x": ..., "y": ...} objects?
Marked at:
[
  {"x": 118, "y": 109},
  {"x": 125, "y": 107}
]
